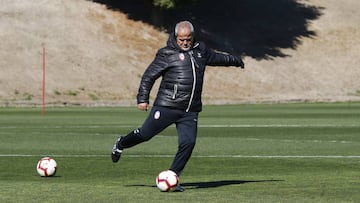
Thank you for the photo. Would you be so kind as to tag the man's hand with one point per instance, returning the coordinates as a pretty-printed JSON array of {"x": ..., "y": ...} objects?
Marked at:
[
  {"x": 236, "y": 60},
  {"x": 241, "y": 64},
  {"x": 143, "y": 106}
]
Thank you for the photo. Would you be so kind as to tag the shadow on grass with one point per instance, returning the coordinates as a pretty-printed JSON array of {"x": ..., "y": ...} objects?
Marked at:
[{"x": 211, "y": 184}]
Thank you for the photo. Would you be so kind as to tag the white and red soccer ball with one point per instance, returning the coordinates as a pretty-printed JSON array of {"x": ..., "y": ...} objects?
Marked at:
[
  {"x": 167, "y": 180},
  {"x": 46, "y": 167}
]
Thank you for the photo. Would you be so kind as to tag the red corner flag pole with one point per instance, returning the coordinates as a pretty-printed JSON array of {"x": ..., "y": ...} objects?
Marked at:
[{"x": 43, "y": 83}]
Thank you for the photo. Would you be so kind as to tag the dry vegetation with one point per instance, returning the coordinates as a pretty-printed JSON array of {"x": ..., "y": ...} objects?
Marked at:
[{"x": 96, "y": 56}]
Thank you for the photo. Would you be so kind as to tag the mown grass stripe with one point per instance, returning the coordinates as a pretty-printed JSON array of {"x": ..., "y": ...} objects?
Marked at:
[
  {"x": 195, "y": 156},
  {"x": 200, "y": 126}
]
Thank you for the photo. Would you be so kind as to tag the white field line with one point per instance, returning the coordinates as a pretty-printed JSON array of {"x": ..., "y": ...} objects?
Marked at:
[
  {"x": 200, "y": 126},
  {"x": 194, "y": 156},
  {"x": 276, "y": 125}
]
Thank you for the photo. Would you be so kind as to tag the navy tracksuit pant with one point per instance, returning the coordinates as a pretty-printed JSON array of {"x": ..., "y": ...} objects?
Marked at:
[{"x": 159, "y": 118}]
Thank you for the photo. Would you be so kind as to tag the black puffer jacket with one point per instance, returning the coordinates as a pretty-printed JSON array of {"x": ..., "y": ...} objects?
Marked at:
[{"x": 182, "y": 75}]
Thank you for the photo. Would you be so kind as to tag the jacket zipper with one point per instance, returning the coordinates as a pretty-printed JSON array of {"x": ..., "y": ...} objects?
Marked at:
[
  {"x": 194, "y": 81},
  {"x": 175, "y": 91}
]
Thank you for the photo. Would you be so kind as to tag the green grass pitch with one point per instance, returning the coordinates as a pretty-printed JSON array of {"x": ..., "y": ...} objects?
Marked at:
[{"x": 244, "y": 153}]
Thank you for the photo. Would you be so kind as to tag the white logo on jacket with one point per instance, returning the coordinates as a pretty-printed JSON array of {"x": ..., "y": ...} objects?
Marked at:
[{"x": 157, "y": 115}]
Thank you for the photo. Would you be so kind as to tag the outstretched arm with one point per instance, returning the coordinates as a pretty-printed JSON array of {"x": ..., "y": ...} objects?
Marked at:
[{"x": 223, "y": 59}]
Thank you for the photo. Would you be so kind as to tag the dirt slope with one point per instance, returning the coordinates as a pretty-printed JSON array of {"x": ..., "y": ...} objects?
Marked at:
[{"x": 96, "y": 56}]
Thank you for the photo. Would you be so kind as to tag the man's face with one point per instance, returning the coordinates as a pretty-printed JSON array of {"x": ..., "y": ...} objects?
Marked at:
[{"x": 184, "y": 38}]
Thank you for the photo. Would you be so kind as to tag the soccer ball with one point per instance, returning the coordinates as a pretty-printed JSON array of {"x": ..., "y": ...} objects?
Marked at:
[
  {"x": 167, "y": 180},
  {"x": 46, "y": 167}
]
